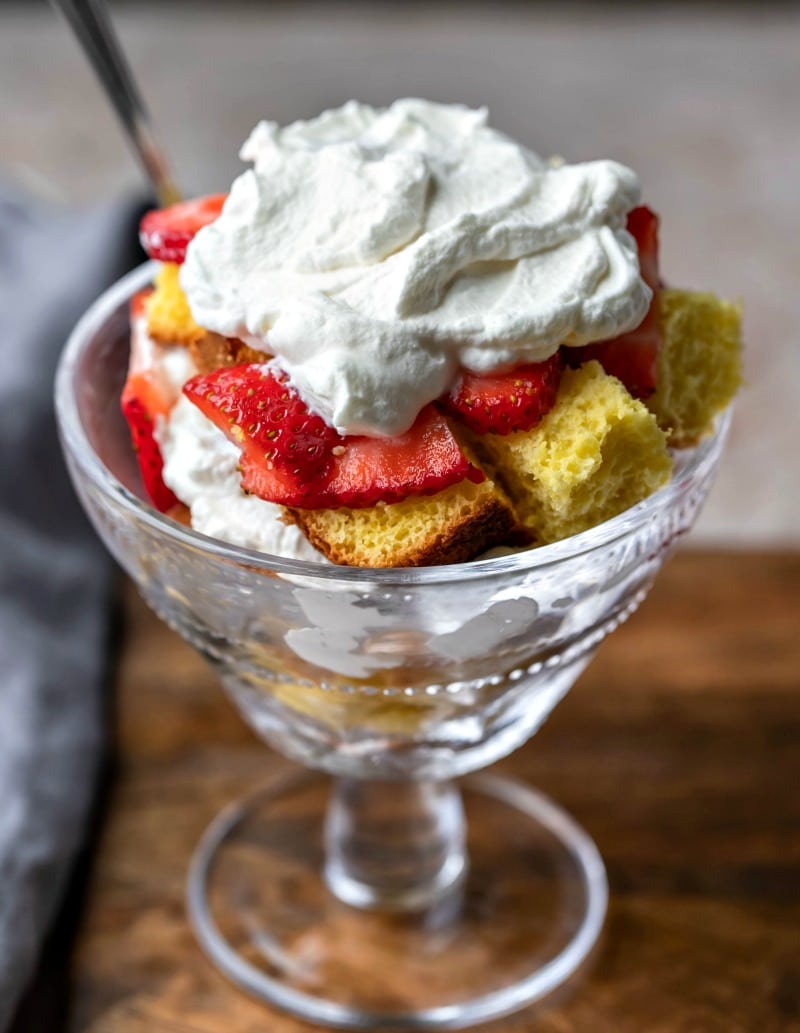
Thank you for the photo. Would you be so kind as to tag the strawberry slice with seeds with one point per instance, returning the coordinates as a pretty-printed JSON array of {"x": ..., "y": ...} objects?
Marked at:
[
  {"x": 501, "y": 403},
  {"x": 633, "y": 357},
  {"x": 146, "y": 396},
  {"x": 286, "y": 449},
  {"x": 292, "y": 457},
  {"x": 165, "y": 233},
  {"x": 424, "y": 460}
]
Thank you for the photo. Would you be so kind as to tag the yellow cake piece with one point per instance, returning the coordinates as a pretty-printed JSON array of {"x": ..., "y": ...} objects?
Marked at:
[
  {"x": 699, "y": 363},
  {"x": 169, "y": 319},
  {"x": 451, "y": 526},
  {"x": 597, "y": 452}
]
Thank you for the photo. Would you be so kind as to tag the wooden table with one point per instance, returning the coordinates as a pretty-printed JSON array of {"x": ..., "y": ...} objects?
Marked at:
[{"x": 679, "y": 750}]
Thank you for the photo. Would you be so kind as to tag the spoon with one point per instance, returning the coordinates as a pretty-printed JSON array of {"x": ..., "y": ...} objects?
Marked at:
[{"x": 90, "y": 22}]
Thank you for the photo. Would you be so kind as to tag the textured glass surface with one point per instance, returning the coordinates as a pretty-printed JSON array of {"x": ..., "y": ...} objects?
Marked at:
[{"x": 423, "y": 673}]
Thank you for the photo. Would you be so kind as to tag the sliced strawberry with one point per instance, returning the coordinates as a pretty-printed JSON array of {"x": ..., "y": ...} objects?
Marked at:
[
  {"x": 505, "y": 402},
  {"x": 166, "y": 232},
  {"x": 136, "y": 306},
  {"x": 424, "y": 460},
  {"x": 292, "y": 457},
  {"x": 265, "y": 416},
  {"x": 144, "y": 397},
  {"x": 634, "y": 361},
  {"x": 151, "y": 462},
  {"x": 633, "y": 357},
  {"x": 643, "y": 227}
]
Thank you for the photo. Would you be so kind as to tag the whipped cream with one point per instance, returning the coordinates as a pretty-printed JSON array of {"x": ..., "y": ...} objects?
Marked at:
[
  {"x": 201, "y": 467},
  {"x": 377, "y": 253}
]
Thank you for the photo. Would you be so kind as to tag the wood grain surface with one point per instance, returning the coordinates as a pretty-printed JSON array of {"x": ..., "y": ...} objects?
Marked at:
[{"x": 678, "y": 750}]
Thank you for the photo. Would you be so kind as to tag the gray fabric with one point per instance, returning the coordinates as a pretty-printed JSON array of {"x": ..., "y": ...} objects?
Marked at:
[{"x": 55, "y": 579}]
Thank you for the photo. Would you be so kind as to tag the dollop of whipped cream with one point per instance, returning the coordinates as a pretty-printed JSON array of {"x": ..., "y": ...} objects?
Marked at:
[{"x": 376, "y": 253}]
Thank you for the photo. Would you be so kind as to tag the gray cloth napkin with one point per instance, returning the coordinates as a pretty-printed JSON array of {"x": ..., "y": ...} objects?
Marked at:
[{"x": 55, "y": 579}]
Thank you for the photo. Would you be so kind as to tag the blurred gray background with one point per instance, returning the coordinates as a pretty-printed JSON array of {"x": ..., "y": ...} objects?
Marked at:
[{"x": 703, "y": 101}]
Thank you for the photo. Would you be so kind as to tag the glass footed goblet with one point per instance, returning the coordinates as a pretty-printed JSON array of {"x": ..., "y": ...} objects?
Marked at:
[{"x": 391, "y": 897}]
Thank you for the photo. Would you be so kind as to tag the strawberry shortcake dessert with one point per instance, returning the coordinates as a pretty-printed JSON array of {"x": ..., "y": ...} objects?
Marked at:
[{"x": 402, "y": 338}]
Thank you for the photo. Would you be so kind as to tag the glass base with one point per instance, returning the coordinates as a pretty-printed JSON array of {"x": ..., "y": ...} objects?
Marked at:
[{"x": 521, "y": 920}]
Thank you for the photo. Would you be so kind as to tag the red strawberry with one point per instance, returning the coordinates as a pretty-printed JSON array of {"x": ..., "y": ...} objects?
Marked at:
[
  {"x": 422, "y": 461},
  {"x": 166, "y": 232},
  {"x": 137, "y": 304},
  {"x": 292, "y": 457},
  {"x": 505, "y": 402},
  {"x": 151, "y": 462},
  {"x": 643, "y": 226},
  {"x": 144, "y": 397},
  {"x": 633, "y": 357},
  {"x": 263, "y": 414}
]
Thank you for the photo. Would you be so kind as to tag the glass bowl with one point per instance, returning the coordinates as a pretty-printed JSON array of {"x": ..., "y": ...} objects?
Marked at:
[{"x": 373, "y": 902}]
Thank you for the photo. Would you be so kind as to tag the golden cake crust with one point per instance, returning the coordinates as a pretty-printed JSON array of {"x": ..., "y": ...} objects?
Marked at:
[
  {"x": 170, "y": 322},
  {"x": 213, "y": 351},
  {"x": 169, "y": 319},
  {"x": 452, "y": 526}
]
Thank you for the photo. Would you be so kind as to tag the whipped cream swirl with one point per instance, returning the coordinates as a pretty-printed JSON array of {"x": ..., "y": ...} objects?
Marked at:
[{"x": 377, "y": 253}]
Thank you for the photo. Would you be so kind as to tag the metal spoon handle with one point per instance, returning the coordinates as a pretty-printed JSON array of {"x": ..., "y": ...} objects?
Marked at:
[{"x": 91, "y": 24}]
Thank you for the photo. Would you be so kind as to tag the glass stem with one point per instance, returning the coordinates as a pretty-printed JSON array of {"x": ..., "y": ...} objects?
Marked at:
[{"x": 397, "y": 846}]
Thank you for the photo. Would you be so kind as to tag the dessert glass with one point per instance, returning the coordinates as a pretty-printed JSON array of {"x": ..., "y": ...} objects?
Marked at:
[{"x": 391, "y": 897}]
